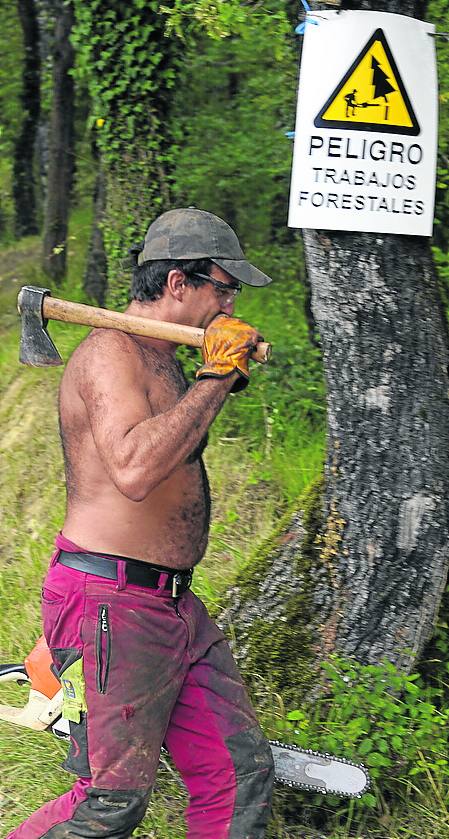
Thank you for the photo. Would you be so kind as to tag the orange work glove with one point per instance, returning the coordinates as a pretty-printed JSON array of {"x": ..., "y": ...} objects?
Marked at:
[{"x": 228, "y": 344}]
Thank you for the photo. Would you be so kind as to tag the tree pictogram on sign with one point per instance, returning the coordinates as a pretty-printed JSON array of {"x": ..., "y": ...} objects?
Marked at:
[{"x": 371, "y": 96}]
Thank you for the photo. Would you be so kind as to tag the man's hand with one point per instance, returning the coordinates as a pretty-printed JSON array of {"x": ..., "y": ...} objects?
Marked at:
[{"x": 228, "y": 344}]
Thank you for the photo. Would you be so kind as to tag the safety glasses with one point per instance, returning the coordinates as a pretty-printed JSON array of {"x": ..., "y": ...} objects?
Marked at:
[{"x": 223, "y": 289}]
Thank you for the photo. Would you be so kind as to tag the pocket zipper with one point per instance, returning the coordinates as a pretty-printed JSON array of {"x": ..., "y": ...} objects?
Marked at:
[{"x": 103, "y": 647}]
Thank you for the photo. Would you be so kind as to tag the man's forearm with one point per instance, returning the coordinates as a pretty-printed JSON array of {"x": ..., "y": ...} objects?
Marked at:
[{"x": 154, "y": 448}]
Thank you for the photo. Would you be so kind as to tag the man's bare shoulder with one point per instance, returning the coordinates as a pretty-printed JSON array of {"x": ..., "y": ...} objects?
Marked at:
[
  {"x": 102, "y": 346},
  {"x": 103, "y": 355},
  {"x": 101, "y": 342}
]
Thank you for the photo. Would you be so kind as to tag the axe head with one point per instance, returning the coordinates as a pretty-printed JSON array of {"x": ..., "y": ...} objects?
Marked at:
[{"x": 36, "y": 347}]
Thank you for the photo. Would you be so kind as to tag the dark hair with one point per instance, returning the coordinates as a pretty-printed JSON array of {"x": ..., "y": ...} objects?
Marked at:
[{"x": 149, "y": 279}]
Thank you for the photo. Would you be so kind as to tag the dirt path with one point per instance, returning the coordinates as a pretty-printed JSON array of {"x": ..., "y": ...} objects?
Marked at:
[{"x": 18, "y": 266}]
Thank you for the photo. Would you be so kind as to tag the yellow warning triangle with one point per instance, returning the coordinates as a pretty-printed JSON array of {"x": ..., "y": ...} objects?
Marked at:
[{"x": 371, "y": 96}]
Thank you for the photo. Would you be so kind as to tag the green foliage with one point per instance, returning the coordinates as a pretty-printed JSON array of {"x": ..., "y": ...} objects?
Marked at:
[
  {"x": 233, "y": 157},
  {"x": 381, "y": 717},
  {"x": 11, "y": 53},
  {"x": 438, "y": 13},
  {"x": 126, "y": 63},
  {"x": 392, "y": 723},
  {"x": 219, "y": 18},
  {"x": 11, "y": 50},
  {"x": 128, "y": 66},
  {"x": 164, "y": 146}
]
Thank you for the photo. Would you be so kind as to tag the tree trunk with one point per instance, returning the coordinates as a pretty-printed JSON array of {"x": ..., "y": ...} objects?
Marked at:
[
  {"x": 386, "y": 539},
  {"x": 46, "y": 17},
  {"x": 24, "y": 194},
  {"x": 373, "y": 572},
  {"x": 95, "y": 279},
  {"x": 60, "y": 170}
]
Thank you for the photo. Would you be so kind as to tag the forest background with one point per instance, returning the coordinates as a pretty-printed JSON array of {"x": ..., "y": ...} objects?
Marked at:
[{"x": 109, "y": 114}]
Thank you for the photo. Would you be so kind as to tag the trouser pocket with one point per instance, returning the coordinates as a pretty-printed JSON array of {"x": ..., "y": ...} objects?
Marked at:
[
  {"x": 102, "y": 647},
  {"x": 69, "y": 669}
]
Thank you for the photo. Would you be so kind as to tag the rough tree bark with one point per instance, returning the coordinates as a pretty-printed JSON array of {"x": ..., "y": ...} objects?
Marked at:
[
  {"x": 24, "y": 193},
  {"x": 380, "y": 559},
  {"x": 376, "y": 304},
  {"x": 61, "y": 159}
]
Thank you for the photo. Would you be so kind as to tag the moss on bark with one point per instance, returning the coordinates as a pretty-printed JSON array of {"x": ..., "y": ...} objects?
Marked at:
[{"x": 272, "y": 608}]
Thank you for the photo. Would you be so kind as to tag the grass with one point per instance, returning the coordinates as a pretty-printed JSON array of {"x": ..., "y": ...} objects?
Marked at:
[{"x": 32, "y": 504}]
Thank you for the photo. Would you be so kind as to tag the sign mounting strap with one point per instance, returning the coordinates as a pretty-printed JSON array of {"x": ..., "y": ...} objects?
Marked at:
[{"x": 301, "y": 26}]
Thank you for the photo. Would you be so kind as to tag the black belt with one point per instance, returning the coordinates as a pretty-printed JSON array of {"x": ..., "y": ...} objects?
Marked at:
[{"x": 137, "y": 573}]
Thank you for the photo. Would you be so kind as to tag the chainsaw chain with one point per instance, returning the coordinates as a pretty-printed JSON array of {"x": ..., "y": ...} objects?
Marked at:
[{"x": 327, "y": 756}]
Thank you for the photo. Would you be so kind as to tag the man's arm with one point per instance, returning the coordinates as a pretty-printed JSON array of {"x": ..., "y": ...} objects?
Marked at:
[{"x": 138, "y": 449}]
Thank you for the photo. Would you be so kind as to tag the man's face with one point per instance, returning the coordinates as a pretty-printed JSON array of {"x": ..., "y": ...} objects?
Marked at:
[{"x": 208, "y": 301}]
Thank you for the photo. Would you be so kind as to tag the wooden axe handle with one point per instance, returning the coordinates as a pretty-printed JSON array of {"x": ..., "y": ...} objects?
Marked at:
[{"x": 63, "y": 310}]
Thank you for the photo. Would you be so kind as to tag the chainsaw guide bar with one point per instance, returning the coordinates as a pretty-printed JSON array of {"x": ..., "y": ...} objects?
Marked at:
[{"x": 318, "y": 772}]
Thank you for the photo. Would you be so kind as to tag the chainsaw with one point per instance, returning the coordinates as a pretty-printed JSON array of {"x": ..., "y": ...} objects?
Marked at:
[{"x": 303, "y": 769}]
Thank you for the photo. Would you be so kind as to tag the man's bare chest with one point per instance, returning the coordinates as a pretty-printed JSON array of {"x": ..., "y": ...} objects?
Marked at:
[{"x": 165, "y": 384}]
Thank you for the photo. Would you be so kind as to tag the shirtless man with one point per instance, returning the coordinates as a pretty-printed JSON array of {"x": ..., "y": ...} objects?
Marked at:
[{"x": 140, "y": 661}]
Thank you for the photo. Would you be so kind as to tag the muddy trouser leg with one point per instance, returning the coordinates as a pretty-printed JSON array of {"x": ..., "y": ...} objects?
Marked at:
[
  {"x": 220, "y": 751},
  {"x": 121, "y": 654}
]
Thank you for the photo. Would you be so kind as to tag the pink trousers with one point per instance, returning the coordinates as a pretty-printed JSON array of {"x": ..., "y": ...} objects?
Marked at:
[{"x": 140, "y": 669}]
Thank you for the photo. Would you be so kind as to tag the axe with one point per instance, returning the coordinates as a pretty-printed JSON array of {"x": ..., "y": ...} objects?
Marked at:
[{"x": 37, "y": 307}]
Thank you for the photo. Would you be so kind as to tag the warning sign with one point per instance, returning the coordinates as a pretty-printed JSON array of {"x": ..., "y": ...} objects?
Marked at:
[
  {"x": 366, "y": 127},
  {"x": 371, "y": 95}
]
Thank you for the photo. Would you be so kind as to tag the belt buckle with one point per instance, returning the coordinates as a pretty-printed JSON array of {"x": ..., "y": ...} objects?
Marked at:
[{"x": 177, "y": 580}]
